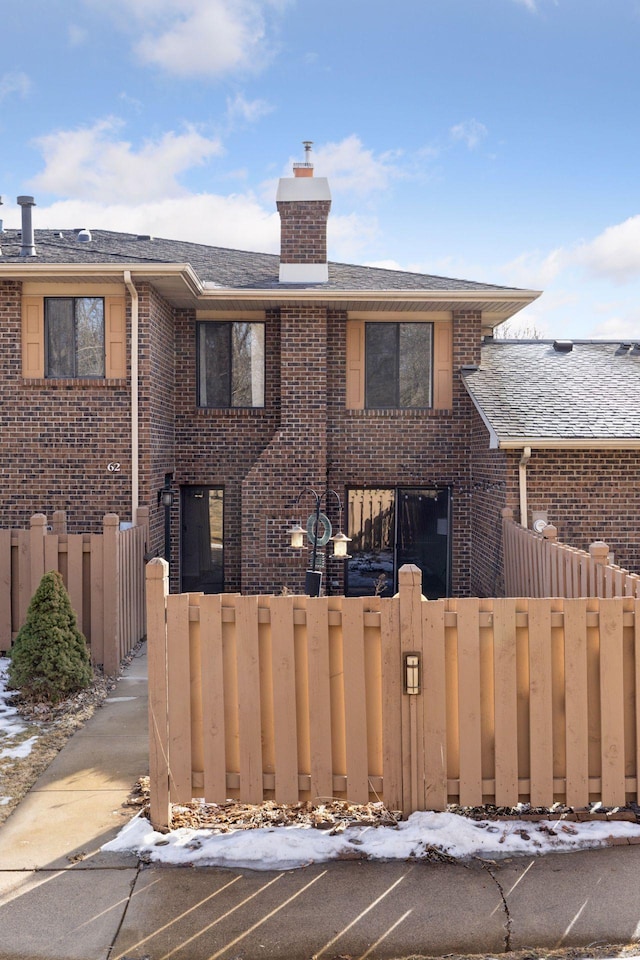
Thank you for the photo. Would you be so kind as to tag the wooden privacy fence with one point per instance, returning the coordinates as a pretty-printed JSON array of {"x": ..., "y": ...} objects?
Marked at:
[
  {"x": 294, "y": 698},
  {"x": 536, "y": 565},
  {"x": 103, "y": 574}
]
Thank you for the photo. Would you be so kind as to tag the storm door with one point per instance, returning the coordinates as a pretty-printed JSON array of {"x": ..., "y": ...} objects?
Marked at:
[
  {"x": 201, "y": 541},
  {"x": 396, "y": 525}
]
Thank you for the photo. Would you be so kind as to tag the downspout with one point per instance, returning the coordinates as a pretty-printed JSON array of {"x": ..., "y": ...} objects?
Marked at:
[
  {"x": 135, "y": 466},
  {"x": 524, "y": 460}
]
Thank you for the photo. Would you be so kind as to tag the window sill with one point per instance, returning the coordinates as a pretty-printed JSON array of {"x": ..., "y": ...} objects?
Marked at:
[
  {"x": 74, "y": 382},
  {"x": 397, "y": 413},
  {"x": 230, "y": 411}
]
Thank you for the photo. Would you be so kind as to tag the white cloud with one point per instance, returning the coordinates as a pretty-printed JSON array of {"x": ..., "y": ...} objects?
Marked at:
[
  {"x": 471, "y": 132},
  {"x": 534, "y": 271},
  {"x": 90, "y": 163},
  {"x": 615, "y": 253},
  {"x": 77, "y": 35},
  {"x": 237, "y": 221},
  {"x": 248, "y": 111},
  {"x": 352, "y": 168},
  {"x": 14, "y": 83},
  {"x": 207, "y": 38},
  {"x": 617, "y": 327}
]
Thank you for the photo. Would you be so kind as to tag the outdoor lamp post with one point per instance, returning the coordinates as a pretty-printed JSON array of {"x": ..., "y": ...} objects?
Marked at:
[{"x": 318, "y": 533}]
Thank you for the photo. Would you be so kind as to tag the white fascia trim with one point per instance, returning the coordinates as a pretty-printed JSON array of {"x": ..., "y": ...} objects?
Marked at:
[
  {"x": 45, "y": 271},
  {"x": 538, "y": 443},
  {"x": 304, "y": 273}
]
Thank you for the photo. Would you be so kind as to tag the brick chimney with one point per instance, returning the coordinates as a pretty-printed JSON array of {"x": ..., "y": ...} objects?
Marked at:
[{"x": 303, "y": 202}]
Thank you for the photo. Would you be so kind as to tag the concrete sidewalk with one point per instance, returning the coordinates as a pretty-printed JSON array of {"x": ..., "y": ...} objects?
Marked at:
[{"x": 62, "y": 899}]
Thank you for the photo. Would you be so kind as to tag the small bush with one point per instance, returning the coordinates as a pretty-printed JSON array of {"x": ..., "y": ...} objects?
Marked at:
[{"x": 50, "y": 659}]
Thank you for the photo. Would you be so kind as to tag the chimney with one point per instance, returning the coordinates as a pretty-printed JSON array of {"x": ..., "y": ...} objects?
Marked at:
[
  {"x": 303, "y": 202},
  {"x": 28, "y": 248}
]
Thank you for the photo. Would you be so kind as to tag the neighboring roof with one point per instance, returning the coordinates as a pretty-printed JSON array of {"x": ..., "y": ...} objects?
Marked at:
[
  {"x": 218, "y": 269},
  {"x": 530, "y": 394}
]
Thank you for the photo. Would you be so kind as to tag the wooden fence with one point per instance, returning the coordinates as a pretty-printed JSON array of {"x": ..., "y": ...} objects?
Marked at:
[
  {"x": 294, "y": 698},
  {"x": 103, "y": 573},
  {"x": 536, "y": 565}
]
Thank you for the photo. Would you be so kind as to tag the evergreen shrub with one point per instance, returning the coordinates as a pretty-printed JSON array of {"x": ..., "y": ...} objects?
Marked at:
[{"x": 50, "y": 658}]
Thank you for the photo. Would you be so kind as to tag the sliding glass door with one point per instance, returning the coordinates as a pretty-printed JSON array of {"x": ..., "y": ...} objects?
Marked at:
[{"x": 392, "y": 526}]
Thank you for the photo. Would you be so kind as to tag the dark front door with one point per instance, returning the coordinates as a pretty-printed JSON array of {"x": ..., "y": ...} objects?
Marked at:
[
  {"x": 392, "y": 526},
  {"x": 201, "y": 541}
]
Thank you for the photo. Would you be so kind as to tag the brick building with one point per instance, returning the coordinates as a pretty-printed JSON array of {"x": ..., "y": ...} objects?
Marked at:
[{"x": 134, "y": 370}]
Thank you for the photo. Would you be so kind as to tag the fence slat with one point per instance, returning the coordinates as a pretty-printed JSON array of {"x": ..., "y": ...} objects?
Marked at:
[
  {"x": 391, "y": 702},
  {"x": 157, "y": 581},
  {"x": 612, "y": 702},
  {"x": 74, "y": 575},
  {"x": 540, "y": 704},
  {"x": 319, "y": 698},
  {"x": 285, "y": 726},
  {"x": 5, "y": 589},
  {"x": 469, "y": 709},
  {"x": 179, "y": 700},
  {"x": 213, "y": 704},
  {"x": 576, "y": 702},
  {"x": 355, "y": 701},
  {"x": 435, "y": 707},
  {"x": 506, "y": 705},
  {"x": 249, "y": 699}
]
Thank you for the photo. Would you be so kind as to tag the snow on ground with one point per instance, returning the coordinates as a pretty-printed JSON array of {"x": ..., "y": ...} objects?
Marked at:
[
  {"x": 13, "y": 745},
  {"x": 423, "y": 836}
]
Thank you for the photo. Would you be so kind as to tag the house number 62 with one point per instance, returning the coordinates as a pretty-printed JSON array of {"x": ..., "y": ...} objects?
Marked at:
[{"x": 113, "y": 467}]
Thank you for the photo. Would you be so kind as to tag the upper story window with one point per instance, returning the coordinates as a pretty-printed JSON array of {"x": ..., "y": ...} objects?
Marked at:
[
  {"x": 74, "y": 336},
  {"x": 230, "y": 364},
  {"x": 398, "y": 365}
]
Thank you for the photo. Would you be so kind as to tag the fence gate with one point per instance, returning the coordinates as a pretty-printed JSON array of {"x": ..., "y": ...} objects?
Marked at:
[{"x": 412, "y": 702}]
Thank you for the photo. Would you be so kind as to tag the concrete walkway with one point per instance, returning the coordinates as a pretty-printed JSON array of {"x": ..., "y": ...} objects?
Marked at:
[{"x": 62, "y": 899}]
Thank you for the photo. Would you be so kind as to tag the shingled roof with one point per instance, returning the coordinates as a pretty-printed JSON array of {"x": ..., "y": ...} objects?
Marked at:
[
  {"x": 530, "y": 393},
  {"x": 233, "y": 269}
]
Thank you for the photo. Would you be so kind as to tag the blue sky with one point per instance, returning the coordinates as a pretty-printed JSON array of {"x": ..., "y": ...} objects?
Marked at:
[{"x": 493, "y": 140}]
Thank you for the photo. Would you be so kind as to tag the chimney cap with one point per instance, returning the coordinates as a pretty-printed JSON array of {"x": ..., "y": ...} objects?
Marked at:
[
  {"x": 26, "y": 201},
  {"x": 304, "y": 169}
]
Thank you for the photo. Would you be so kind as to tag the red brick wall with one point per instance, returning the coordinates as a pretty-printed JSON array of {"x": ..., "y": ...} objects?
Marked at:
[
  {"x": 492, "y": 488},
  {"x": 58, "y": 437},
  {"x": 218, "y": 447},
  {"x": 303, "y": 231},
  {"x": 157, "y": 360},
  {"x": 589, "y": 495}
]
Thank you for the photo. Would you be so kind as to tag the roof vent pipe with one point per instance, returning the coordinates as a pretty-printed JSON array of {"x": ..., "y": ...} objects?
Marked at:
[{"x": 28, "y": 248}]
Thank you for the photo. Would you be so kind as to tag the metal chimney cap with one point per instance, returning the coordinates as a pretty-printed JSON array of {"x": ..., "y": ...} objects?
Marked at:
[{"x": 26, "y": 201}]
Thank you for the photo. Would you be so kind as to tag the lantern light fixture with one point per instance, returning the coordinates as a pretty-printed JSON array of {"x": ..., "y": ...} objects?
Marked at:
[{"x": 297, "y": 536}]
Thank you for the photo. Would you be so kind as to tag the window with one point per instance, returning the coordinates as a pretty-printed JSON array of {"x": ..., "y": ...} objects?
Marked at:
[
  {"x": 230, "y": 364},
  {"x": 398, "y": 365},
  {"x": 74, "y": 337}
]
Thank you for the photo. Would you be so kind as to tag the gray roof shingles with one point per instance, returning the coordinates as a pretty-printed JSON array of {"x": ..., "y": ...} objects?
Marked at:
[
  {"x": 234, "y": 269},
  {"x": 528, "y": 390}
]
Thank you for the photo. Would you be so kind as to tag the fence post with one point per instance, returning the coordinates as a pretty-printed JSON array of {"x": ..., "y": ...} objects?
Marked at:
[
  {"x": 550, "y": 534},
  {"x": 508, "y": 558},
  {"x": 410, "y": 594},
  {"x": 157, "y": 578},
  {"x": 599, "y": 553},
  {"x": 38, "y": 531},
  {"x": 111, "y": 589},
  {"x": 59, "y": 522}
]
